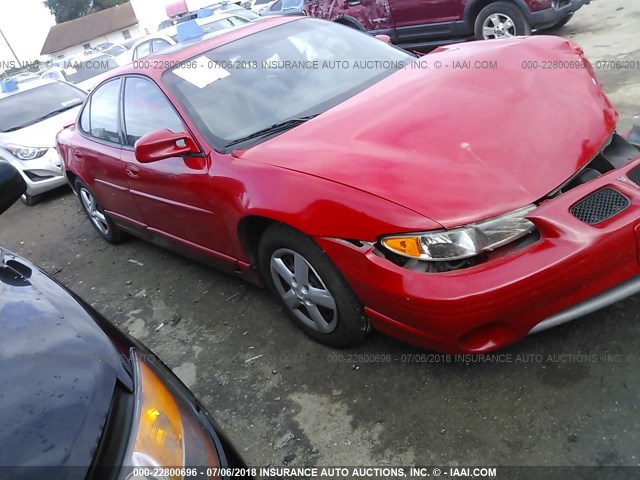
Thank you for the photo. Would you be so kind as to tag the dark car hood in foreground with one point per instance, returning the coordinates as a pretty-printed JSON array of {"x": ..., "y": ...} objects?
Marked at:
[
  {"x": 455, "y": 141},
  {"x": 57, "y": 374}
]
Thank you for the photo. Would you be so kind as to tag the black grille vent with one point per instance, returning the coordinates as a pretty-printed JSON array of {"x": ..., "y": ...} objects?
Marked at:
[
  {"x": 634, "y": 175},
  {"x": 600, "y": 206}
]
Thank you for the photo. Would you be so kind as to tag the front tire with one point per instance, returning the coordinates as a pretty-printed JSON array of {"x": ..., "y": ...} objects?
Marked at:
[
  {"x": 311, "y": 289},
  {"x": 105, "y": 227},
  {"x": 501, "y": 20}
]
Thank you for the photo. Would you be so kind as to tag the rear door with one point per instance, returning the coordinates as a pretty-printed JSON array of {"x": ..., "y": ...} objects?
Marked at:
[
  {"x": 421, "y": 12},
  {"x": 172, "y": 194},
  {"x": 97, "y": 154}
]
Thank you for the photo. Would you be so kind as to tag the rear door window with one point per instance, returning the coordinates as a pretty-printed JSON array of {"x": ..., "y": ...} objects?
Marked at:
[{"x": 103, "y": 115}]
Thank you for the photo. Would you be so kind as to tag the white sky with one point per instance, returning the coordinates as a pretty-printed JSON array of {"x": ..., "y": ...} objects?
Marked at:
[{"x": 26, "y": 24}]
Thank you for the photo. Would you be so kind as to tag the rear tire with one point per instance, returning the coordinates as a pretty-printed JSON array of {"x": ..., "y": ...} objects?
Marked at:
[
  {"x": 105, "y": 227},
  {"x": 501, "y": 20},
  {"x": 311, "y": 289}
]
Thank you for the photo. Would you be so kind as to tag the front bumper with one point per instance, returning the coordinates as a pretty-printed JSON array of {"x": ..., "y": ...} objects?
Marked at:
[
  {"x": 550, "y": 16},
  {"x": 42, "y": 174},
  {"x": 486, "y": 307}
]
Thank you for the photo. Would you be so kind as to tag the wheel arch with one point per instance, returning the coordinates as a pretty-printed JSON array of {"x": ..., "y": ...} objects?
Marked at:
[
  {"x": 350, "y": 21},
  {"x": 250, "y": 231},
  {"x": 71, "y": 179}
]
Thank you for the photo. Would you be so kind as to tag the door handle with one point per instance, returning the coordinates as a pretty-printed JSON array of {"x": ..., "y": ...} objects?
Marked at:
[
  {"x": 132, "y": 170},
  {"x": 78, "y": 155}
]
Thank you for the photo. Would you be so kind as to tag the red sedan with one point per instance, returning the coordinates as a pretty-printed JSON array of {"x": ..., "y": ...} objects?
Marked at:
[{"x": 458, "y": 200}]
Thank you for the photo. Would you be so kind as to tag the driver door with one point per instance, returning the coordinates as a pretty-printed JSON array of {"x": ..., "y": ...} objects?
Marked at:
[{"x": 173, "y": 194}]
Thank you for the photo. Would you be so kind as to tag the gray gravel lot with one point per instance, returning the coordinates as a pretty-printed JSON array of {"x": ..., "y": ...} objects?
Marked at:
[{"x": 564, "y": 397}]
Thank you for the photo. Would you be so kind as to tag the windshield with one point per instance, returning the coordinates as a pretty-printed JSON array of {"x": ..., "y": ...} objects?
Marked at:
[
  {"x": 30, "y": 106},
  {"x": 76, "y": 71},
  {"x": 295, "y": 69}
]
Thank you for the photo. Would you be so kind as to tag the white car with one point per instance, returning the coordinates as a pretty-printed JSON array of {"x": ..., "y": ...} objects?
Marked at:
[
  {"x": 85, "y": 72},
  {"x": 171, "y": 35},
  {"x": 258, "y": 6},
  {"x": 32, "y": 115},
  {"x": 146, "y": 46}
]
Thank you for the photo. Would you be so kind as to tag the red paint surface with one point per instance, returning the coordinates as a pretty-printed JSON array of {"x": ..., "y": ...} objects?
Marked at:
[{"x": 419, "y": 150}]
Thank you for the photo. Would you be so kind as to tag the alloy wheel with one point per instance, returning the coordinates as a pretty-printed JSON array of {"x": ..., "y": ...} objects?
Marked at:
[
  {"x": 498, "y": 25},
  {"x": 303, "y": 291},
  {"x": 94, "y": 211}
]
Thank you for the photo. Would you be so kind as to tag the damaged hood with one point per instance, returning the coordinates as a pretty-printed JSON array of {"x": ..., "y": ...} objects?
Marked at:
[{"x": 465, "y": 133}]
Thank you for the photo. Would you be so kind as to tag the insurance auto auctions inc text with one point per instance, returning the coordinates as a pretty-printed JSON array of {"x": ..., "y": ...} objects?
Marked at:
[{"x": 375, "y": 472}]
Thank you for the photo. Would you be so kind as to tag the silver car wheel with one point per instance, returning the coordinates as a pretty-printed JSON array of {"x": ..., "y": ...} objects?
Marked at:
[
  {"x": 303, "y": 291},
  {"x": 498, "y": 25},
  {"x": 95, "y": 215}
]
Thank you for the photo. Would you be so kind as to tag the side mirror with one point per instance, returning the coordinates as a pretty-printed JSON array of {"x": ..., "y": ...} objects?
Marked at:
[
  {"x": 384, "y": 38},
  {"x": 12, "y": 185},
  {"x": 162, "y": 144}
]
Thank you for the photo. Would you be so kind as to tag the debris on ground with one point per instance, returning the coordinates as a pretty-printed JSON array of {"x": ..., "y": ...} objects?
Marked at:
[
  {"x": 283, "y": 440},
  {"x": 252, "y": 358},
  {"x": 232, "y": 297}
]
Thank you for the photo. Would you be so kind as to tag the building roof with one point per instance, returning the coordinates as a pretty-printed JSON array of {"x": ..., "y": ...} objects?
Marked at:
[{"x": 83, "y": 29}]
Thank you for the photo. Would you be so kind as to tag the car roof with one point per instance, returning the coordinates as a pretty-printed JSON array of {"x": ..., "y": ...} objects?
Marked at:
[
  {"x": 186, "y": 50},
  {"x": 23, "y": 87}
]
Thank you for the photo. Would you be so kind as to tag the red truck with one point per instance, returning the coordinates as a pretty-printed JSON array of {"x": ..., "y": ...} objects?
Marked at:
[{"x": 418, "y": 23}]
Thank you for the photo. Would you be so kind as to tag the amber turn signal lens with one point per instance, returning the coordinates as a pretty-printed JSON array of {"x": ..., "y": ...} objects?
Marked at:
[
  {"x": 405, "y": 245},
  {"x": 160, "y": 435}
]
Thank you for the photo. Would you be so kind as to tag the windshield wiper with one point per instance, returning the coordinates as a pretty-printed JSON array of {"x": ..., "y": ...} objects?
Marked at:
[
  {"x": 275, "y": 128},
  {"x": 44, "y": 117},
  {"x": 56, "y": 112}
]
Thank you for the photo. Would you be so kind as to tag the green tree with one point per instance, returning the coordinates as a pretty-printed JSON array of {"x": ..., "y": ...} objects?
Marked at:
[
  {"x": 98, "y": 5},
  {"x": 65, "y": 10}
]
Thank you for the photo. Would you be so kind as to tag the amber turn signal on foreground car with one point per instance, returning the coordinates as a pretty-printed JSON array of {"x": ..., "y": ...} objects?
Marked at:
[{"x": 167, "y": 430}]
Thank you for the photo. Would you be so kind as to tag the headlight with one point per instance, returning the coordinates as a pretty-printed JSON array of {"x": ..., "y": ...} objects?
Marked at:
[
  {"x": 464, "y": 242},
  {"x": 26, "y": 153},
  {"x": 166, "y": 429}
]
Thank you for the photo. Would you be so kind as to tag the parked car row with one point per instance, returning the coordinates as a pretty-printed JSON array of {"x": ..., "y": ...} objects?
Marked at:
[
  {"x": 36, "y": 110},
  {"x": 192, "y": 30}
]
